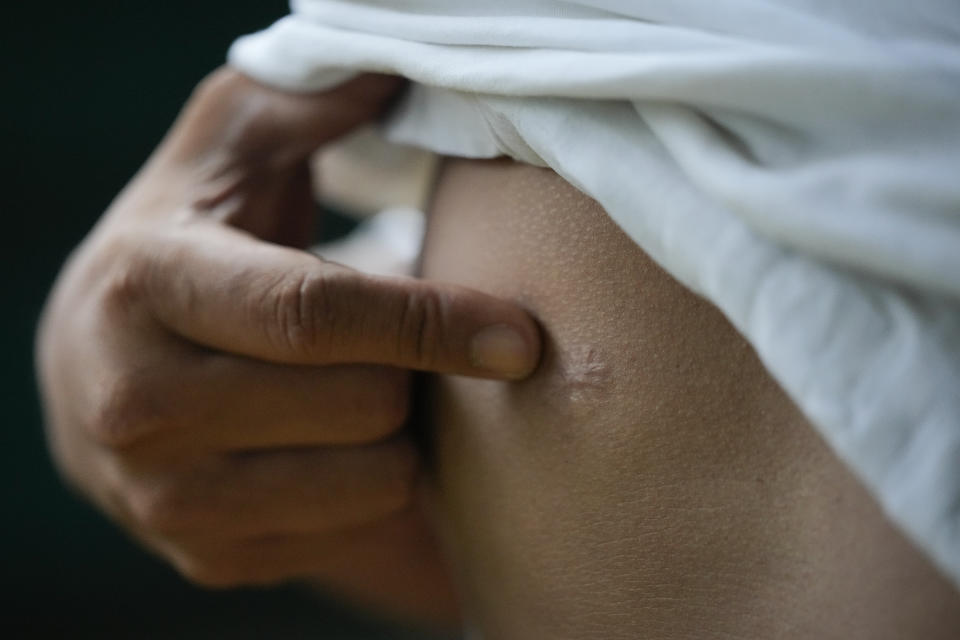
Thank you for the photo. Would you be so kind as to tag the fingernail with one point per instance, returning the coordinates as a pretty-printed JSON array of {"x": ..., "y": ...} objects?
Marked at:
[{"x": 501, "y": 349}]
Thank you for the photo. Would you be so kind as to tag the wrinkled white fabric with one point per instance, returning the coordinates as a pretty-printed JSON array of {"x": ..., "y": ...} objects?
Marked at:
[{"x": 796, "y": 162}]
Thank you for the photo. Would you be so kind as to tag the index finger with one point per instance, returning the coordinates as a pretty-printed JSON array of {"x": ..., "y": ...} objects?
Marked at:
[{"x": 224, "y": 289}]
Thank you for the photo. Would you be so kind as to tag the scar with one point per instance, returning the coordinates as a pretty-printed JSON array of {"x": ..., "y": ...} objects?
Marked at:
[{"x": 584, "y": 373}]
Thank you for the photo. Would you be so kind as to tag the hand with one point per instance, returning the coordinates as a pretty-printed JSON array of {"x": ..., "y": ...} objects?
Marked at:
[{"x": 236, "y": 403}]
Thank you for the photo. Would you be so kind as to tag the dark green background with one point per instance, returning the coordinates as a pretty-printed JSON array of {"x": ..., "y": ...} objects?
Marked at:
[{"x": 89, "y": 88}]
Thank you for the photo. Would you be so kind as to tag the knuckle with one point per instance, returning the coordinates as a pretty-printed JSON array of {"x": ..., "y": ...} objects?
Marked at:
[
  {"x": 300, "y": 312},
  {"x": 123, "y": 288},
  {"x": 168, "y": 507},
  {"x": 126, "y": 412},
  {"x": 124, "y": 268},
  {"x": 420, "y": 329}
]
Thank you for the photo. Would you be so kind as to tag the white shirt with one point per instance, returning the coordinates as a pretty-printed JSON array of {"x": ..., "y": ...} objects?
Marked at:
[{"x": 796, "y": 162}]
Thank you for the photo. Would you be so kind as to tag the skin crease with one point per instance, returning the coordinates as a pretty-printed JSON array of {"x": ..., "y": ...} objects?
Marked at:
[{"x": 650, "y": 479}]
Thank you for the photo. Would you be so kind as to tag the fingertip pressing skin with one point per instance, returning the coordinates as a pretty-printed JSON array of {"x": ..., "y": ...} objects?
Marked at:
[
  {"x": 287, "y": 306},
  {"x": 461, "y": 331},
  {"x": 502, "y": 349}
]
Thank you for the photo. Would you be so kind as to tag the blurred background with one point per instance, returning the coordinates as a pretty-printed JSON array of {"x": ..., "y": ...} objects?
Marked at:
[{"x": 90, "y": 89}]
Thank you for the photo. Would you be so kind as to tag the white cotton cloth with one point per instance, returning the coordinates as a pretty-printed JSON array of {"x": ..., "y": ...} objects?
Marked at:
[{"x": 796, "y": 162}]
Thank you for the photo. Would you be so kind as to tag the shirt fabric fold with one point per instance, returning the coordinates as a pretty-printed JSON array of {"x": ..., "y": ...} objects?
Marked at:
[{"x": 796, "y": 162}]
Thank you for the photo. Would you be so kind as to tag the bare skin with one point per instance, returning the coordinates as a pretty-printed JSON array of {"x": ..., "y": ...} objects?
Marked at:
[
  {"x": 650, "y": 480},
  {"x": 236, "y": 403}
]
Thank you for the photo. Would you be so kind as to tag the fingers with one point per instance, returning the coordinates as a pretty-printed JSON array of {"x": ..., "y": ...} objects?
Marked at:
[
  {"x": 224, "y": 290},
  {"x": 269, "y": 493},
  {"x": 397, "y": 552},
  {"x": 283, "y": 406},
  {"x": 220, "y": 403}
]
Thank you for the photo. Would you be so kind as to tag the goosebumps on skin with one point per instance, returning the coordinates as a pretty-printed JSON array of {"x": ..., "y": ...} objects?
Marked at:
[{"x": 651, "y": 479}]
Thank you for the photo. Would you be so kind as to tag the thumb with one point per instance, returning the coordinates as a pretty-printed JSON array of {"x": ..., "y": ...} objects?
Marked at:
[
  {"x": 233, "y": 118},
  {"x": 225, "y": 290}
]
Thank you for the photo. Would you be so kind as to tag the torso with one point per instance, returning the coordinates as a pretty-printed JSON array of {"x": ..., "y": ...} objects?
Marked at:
[{"x": 651, "y": 479}]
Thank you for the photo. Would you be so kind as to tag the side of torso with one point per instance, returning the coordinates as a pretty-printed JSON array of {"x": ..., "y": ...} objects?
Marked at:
[{"x": 650, "y": 478}]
